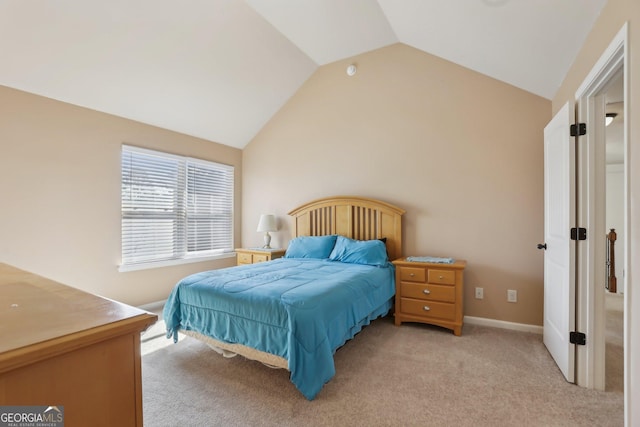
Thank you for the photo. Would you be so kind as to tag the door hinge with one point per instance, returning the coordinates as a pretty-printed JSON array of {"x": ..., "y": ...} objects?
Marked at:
[
  {"x": 578, "y": 129},
  {"x": 577, "y": 338},
  {"x": 578, "y": 233}
]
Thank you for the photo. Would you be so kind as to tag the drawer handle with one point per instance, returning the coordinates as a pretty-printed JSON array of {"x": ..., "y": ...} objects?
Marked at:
[
  {"x": 411, "y": 274},
  {"x": 441, "y": 277},
  {"x": 426, "y": 291},
  {"x": 426, "y": 308}
]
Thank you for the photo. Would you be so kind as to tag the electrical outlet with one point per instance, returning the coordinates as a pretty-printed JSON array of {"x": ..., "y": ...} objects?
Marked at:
[
  {"x": 512, "y": 295},
  {"x": 479, "y": 293}
]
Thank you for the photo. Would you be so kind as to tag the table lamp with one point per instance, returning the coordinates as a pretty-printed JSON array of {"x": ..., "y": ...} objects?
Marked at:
[{"x": 267, "y": 223}]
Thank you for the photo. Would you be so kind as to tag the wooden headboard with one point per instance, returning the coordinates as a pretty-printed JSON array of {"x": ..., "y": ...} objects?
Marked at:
[{"x": 354, "y": 217}]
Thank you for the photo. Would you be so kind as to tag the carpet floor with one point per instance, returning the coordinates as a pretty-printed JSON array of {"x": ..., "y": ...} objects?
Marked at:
[{"x": 413, "y": 375}]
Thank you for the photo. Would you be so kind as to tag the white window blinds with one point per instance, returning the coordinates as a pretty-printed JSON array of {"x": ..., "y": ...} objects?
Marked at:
[{"x": 174, "y": 207}]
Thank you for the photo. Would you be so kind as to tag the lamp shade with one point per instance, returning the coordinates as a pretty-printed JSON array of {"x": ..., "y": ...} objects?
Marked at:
[{"x": 267, "y": 223}]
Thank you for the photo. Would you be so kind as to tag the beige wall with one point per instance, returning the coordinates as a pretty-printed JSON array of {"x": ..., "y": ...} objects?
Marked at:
[
  {"x": 60, "y": 194},
  {"x": 461, "y": 152},
  {"x": 611, "y": 20}
]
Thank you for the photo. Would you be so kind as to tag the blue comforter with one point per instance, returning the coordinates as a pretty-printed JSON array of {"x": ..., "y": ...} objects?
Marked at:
[{"x": 299, "y": 309}]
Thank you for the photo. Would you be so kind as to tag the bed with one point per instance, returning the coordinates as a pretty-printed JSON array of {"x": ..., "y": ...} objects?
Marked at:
[{"x": 295, "y": 312}]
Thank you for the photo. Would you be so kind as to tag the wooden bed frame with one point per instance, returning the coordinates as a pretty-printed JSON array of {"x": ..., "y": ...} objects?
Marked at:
[{"x": 354, "y": 217}]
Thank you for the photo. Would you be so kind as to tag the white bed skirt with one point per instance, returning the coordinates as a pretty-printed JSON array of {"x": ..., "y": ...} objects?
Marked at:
[{"x": 224, "y": 348}]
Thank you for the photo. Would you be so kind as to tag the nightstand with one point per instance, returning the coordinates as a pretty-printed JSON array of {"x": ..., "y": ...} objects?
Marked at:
[
  {"x": 254, "y": 255},
  {"x": 430, "y": 293}
]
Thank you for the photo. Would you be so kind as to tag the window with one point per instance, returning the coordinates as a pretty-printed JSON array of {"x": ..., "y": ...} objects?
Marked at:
[{"x": 173, "y": 207}]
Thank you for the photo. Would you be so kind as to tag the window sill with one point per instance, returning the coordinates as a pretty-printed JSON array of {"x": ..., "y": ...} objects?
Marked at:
[{"x": 168, "y": 263}]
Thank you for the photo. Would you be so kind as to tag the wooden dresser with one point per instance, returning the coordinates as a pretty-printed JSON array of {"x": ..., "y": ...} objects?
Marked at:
[
  {"x": 254, "y": 255},
  {"x": 430, "y": 293},
  {"x": 65, "y": 347}
]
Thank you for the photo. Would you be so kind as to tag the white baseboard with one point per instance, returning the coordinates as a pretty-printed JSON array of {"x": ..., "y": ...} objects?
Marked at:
[
  {"x": 481, "y": 321},
  {"x": 522, "y": 327},
  {"x": 153, "y": 306}
]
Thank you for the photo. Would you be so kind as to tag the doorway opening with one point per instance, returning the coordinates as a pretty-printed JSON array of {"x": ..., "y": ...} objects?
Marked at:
[
  {"x": 603, "y": 204},
  {"x": 613, "y": 283}
]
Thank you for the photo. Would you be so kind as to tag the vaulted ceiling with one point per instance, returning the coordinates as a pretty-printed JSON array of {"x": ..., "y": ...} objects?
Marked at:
[{"x": 220, "y": 69}]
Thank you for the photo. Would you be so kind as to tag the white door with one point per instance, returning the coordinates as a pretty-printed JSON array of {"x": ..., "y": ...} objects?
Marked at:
[{"x": 559, "y": 256}]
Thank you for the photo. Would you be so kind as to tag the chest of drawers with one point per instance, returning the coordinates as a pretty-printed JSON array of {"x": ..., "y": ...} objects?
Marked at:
[
  {"x": 430, "y": 293},
  {"x": 67, "y": 347}
]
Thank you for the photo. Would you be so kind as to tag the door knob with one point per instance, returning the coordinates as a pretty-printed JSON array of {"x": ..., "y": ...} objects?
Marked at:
[{"x": 542, "y": 246}]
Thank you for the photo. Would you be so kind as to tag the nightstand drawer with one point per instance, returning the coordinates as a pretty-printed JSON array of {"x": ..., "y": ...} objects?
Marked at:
[
  {"x": 252, "y": 256},
  {"x": 440, "y": 310},
  {"x": 447, "y": 277},
  {"x": 411, "y": 274},
  {"x": 259, "y": 258},
  {"x": 244, "y": 258},
  {"x": 429, "y": 292}
]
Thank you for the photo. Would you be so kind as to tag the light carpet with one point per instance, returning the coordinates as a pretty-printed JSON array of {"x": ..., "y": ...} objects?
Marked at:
[
  {"x": 614, "y": 351},
  {"x": 412, "y": 375}
]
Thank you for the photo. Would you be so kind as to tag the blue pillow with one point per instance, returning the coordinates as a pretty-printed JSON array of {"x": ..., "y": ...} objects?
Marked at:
[
  {"x": 311, "y": 247},
  {"x": 368, "y": 252}
]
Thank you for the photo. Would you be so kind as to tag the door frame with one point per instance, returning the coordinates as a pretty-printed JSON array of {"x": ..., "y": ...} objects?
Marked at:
[{"x": 590, "y": 310}]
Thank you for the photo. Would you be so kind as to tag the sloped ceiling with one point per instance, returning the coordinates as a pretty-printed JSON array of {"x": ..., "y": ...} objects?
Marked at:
[{"x": 220, "y": 69}]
